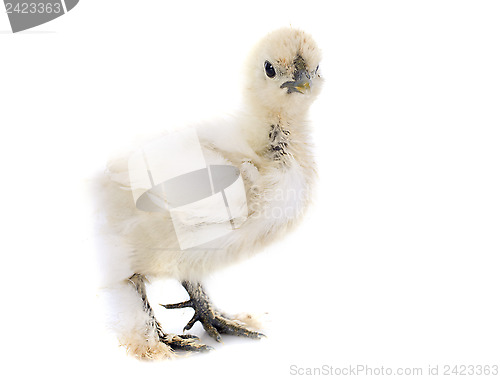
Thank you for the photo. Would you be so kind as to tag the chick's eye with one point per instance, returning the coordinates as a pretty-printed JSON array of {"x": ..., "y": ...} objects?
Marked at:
[{"x": 270, "y": 72}]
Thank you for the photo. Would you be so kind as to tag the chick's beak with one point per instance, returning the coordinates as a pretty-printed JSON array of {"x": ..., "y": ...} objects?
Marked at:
[{"x": 301, "y": 85}]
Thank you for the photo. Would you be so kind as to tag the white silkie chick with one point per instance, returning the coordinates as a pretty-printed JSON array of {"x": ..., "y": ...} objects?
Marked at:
[{"x": 269, "y": 143}]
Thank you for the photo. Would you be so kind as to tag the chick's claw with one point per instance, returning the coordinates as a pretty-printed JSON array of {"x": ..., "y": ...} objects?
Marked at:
[
  {"x": 216, "y": 324},
  {"x": 185, "y": 342},
  {"x": 228, "y": 326}
]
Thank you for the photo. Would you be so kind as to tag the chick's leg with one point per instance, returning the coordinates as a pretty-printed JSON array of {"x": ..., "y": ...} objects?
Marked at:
[
  {"x": 176, "y": 342},
  {"x": 213, "y": 321}
]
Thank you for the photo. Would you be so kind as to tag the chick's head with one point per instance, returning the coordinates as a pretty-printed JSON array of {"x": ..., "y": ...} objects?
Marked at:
[{"x": 283, "y": 72}]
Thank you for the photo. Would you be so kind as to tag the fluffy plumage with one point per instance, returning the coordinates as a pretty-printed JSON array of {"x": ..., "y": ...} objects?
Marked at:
[{"x": 269, "y": 142}]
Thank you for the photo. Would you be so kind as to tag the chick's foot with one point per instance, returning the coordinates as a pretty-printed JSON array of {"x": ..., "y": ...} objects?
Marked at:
[
  {"x": 213, "y": 321},
  {"x": 184, "y": 342}
]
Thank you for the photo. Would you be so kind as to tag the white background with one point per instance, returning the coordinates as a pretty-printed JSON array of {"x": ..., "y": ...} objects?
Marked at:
[{"x": 398, "y": 263}]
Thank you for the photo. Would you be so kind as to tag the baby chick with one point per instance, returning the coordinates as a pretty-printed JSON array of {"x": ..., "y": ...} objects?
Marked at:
[{"x": 269, "y": 144}]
